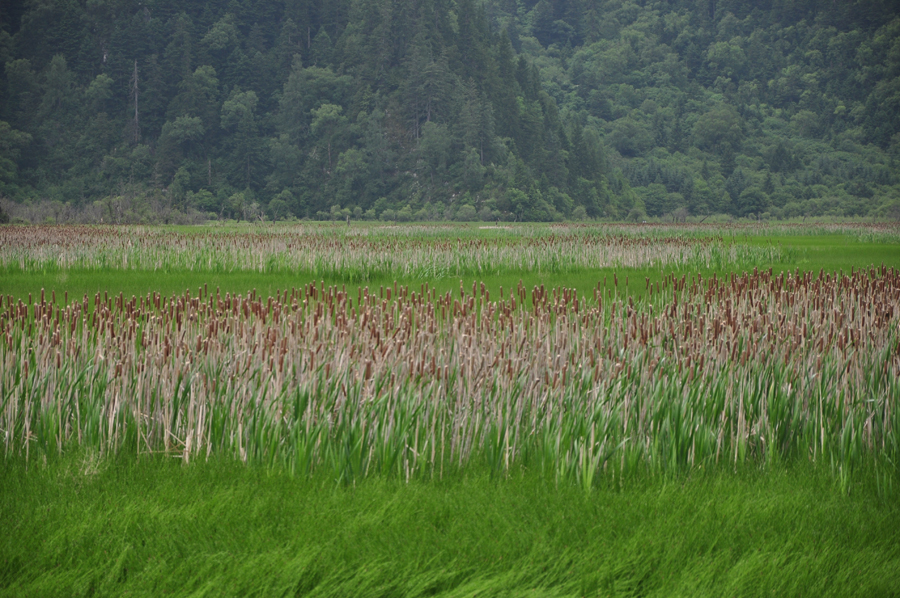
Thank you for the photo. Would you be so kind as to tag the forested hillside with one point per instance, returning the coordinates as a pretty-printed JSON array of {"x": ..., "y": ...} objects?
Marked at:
[{"x": 169, "y": 111}]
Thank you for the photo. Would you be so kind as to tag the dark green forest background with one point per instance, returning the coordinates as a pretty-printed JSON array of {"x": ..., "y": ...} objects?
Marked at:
[{"x": 178, "y": 111}]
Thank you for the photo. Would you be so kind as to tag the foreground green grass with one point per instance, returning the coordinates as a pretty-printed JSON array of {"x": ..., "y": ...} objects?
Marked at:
[{"x": 87, "y": 527}]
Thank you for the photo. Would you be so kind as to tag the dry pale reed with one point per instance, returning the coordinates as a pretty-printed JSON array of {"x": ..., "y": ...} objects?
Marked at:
[{"x": 755, "y": 367}]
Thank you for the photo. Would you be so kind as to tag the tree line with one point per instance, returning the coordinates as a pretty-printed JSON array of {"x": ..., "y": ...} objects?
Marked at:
[{"x": 156, "y": 110}]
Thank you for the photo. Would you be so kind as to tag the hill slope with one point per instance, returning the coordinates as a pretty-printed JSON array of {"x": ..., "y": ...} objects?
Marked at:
[{"x": 429, "y": 109}]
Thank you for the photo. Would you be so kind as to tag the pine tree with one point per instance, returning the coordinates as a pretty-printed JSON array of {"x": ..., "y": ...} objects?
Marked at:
[{"x": 244, "y": 146}]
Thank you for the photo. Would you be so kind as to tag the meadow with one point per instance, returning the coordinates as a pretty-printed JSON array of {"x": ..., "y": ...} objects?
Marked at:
[{"x": 613, "y": 409}]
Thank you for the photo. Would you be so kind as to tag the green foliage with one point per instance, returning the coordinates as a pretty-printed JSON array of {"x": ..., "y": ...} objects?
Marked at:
[
  {"x": 83, "y": 525},
  {"x": 344, "y": 103},
  {"x": 11, "y": 143}
]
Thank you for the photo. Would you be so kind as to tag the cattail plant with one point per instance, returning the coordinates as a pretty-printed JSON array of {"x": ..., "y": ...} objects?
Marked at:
[
  {"x": 755, "y": 368},
  {"x": 412, "y": 251}
]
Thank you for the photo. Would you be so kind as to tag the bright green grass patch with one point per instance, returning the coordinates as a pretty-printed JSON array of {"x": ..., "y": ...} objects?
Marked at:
[
  {"x": 82, "y": 527},
  {"x": 139, "y": 283},
  {"x": 631, "y": 281},
  {"x": 832, "y": 252},
  {"x": 804, "y": 251}
]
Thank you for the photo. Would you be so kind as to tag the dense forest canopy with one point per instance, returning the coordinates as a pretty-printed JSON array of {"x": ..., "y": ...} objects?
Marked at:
[{"x": 164, "y": 110}]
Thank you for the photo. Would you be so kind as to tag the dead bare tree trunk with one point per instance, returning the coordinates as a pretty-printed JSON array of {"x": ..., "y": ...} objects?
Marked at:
[{"x": 135, "y": 90}]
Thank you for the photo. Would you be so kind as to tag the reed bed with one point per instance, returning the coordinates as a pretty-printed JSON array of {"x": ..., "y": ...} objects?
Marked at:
[
  {"x": 755, "y": 368},
  {"x": 363, "y": 253}
]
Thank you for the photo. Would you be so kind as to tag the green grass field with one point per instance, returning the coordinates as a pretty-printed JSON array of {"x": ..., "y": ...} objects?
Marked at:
[
  {"x": 82, "y": 528},
  {"x": 85, "y": 513}
]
